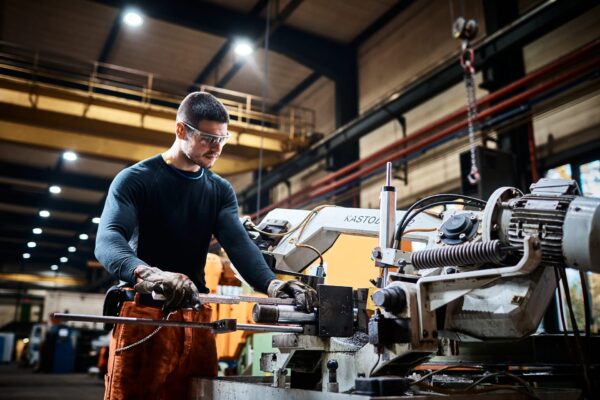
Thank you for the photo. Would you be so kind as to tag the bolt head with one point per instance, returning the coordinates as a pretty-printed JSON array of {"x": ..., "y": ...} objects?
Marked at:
[
  {"x": 440, "y": 234},
  {"x": 462, "y": 236}
]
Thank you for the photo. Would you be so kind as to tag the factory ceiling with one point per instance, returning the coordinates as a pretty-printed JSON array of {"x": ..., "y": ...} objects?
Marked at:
[{"x": 74, "y": 77}]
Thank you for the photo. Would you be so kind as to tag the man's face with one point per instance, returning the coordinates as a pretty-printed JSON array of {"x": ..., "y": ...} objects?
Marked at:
[{"x": 197, "y": 148}]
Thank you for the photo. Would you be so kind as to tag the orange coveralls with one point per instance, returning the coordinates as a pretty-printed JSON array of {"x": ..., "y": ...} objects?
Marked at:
[{"x": 160, "y": 367}]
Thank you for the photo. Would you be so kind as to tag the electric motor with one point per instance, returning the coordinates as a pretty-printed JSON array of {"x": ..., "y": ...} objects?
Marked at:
[{"x": 567, "y": 225}]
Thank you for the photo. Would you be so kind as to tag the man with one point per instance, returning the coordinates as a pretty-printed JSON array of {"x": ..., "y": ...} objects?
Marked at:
[{"x": 154, "y": 233}]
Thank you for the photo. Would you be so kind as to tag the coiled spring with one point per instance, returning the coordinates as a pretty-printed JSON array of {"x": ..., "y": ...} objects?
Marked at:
[{"x": 460, "y": 255}]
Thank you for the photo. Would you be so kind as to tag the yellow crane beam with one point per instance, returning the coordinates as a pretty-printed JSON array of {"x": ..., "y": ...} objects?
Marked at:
[{"x": 59, "y": 139}]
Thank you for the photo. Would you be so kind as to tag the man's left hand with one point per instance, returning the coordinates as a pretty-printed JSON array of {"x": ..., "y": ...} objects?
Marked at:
[{"x": 305, "y": 296}]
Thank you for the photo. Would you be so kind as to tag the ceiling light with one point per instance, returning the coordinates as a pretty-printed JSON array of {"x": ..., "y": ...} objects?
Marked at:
[
  {"x": 55, "y": 189},
  {"x": 64, "y": 259},
  {"x": 26, "y": 255},
  {"x": 31, "y": 245},
  {"x": 72, "y": 249},
  {"x": 83, "y": 236},
  {"x": 243, "y": 48},
  {"x": 69, "y": 156},
  {"x": 44, "y": 213},
  {"x": 133, "y": 18},
  {"x": 96, "y": 220},
  {"x": 54, "y": 267},
  {"x": 37, "y": 231}
]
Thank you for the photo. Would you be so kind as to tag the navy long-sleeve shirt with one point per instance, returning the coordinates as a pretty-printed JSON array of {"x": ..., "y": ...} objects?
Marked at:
[{"x": 163, "y": 217}]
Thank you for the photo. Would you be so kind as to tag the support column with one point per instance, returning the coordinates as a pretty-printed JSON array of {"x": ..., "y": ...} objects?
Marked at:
[
  {"x": 507, "y": 67},
  {"x": 346, "y": 109}
]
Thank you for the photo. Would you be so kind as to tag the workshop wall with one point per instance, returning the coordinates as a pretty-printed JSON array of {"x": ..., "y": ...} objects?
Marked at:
[
  {"x": 321, "y": 98},
  {"x": 579, "y": 121}
]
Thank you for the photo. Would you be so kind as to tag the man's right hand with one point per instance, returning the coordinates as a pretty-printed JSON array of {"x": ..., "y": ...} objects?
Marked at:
[{"x": 178, "y": 289}]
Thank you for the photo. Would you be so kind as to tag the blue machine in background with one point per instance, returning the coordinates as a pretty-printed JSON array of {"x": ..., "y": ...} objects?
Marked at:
[{"x": 59, "y": 349}]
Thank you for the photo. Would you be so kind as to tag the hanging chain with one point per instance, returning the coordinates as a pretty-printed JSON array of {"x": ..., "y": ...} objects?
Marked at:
[
  {"x": 466, "y": 30},
  {"x": 467, "y": 59},
  {"x": 144, "y": 339}
]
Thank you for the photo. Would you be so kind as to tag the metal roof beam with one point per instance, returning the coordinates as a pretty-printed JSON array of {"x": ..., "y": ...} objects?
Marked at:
[
  {"x": 295, "y": 92},
  {"x": 50, "y": 176},
  {"x": 32, "y": 221},
  {"x": 40, "y": 200},
  {"x": 222, "y": 52},
  {"x": 316, "y": 52},
  {"x": 111, "y": 38},
  {"x": 275, "y": 24},
  {"x": 380, "y": 22},
  {"x": 46, "y": 242}
]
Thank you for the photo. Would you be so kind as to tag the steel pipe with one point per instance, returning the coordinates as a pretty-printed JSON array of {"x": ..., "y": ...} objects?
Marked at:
[{"x": 281, "y": 314}]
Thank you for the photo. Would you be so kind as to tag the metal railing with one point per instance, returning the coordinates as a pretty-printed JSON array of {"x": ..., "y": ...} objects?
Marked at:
[{"x": 94, "y": 79}]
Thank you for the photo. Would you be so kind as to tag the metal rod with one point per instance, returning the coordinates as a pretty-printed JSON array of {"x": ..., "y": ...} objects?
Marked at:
[
  {"x": 130, "y": 320},
  {"x": 387, "y": 215},
  {"x": 224, "y": 299},
  {"x": 388, "y": 174},
  {"x": 181, "y": 324},
  {"x": 270, "y": 328},
  {"x": 281, "y": 314}
]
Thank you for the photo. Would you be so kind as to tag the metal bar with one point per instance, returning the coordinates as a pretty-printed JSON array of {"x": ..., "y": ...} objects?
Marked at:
[
  {"x": 229, "y": 324},
  {"x": 270, "y": 328},
  {"x": 223, "y": 299},
  {"x": 131, "y": 321}
]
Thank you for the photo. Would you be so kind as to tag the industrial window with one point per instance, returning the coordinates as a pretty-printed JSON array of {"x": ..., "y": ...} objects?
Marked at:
[{"x": 587, "y": 175}]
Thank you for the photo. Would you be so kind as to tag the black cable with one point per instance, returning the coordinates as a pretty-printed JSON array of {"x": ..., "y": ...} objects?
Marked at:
[
  {"x": 578, "y": 348},
  {"x": 560, "y": 303},
  {"x": 445, "y": 368},
  {"x": 408, "y": 216},
  {"x": 439, "y": 390},
  {"x": 586, "y": 305},
  {"x": 522, "y": 381},
  {"x": 375, "y": 366},
  {"x": 435, "y": 197}
]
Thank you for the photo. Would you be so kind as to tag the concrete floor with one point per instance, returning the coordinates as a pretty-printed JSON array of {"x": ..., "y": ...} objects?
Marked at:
[{"x": 23, "y": 384}]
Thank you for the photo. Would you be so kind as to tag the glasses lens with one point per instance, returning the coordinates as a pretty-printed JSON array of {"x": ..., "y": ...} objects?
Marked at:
[{"x": 213, "y": 139}]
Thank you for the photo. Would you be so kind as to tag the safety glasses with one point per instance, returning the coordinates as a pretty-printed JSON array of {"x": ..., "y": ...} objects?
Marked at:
[{"x": 208, "y": 138}]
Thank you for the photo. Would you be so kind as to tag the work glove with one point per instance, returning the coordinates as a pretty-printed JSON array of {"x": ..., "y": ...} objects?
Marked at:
[
  {"x": 177, "y": 289},
  {"x": 305, "y": 296}
]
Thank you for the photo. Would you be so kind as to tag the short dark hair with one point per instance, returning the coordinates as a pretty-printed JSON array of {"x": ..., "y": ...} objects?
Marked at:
[{"x": 198, "y": 106}]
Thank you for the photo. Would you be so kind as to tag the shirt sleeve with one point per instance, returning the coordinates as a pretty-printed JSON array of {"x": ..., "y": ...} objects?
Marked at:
[
  {"x": 243, "y": 253},
  {"x": 118, "y": 224}
]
